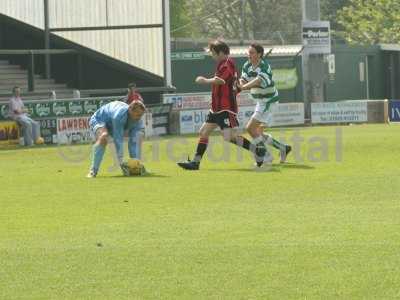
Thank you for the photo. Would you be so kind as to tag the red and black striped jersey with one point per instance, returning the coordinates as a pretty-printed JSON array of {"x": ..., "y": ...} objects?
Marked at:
[{"x": 224, "y": 95}]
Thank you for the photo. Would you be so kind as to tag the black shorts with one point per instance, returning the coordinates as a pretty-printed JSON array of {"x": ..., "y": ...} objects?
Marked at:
[{"x": 223, "y": 119}]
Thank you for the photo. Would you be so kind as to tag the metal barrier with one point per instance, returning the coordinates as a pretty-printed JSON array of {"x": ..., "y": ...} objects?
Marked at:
[
  {"x": 95, "y": 92},
  {"x": 53, "y": 115}
]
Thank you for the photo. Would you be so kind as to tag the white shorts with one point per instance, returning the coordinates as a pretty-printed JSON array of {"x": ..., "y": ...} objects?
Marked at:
[{"x": 262, "y": 114}]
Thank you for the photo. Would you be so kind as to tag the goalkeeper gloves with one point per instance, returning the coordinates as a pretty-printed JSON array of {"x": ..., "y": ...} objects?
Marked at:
[{"x": 125, "y": 169}]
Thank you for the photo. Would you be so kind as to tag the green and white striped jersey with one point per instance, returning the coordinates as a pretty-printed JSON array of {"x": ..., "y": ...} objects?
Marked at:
[{"x": 267, "y": 91}]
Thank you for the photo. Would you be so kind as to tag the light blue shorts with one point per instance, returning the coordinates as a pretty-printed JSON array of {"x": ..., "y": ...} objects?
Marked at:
[{"x": 95, "y": 125}]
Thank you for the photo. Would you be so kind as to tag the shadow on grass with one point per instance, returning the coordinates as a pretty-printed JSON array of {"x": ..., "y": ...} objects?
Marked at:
[
  {"x": 249, "y": 170},
  {"x": 274, "y": 168},
  {"x": 24, "y": 148},
  {"x": 295, "y": 166},
  {"x": 149, "y": 175}
]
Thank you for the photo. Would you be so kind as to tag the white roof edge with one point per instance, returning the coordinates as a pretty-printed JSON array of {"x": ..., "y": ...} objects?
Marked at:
[
  {"x": 277, "y": 50},
  {"x": 390, "y": 47}
]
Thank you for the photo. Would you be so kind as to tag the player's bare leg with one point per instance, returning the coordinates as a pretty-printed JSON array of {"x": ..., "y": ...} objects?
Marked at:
[
  {"x": 98, "y": 151},
  {"x": 232, "y": 135},
  {"x": 256, "y": 129},
  {"x": 284, "y": 149}
]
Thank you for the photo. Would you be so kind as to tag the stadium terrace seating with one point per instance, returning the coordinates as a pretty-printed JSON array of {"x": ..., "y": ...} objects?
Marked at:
[{"x": 14, "y": 75}]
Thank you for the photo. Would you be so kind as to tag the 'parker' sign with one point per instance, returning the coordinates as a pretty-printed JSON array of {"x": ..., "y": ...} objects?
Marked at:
[{"x": 317, "y": 37}]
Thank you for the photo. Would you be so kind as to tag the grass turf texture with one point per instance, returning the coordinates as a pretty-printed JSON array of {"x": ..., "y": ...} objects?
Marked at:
[{"x": 305, "y": 230}]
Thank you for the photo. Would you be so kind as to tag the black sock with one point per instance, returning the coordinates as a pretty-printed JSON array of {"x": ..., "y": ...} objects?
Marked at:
[
  {"x": 242, "y": 142},
  {"x": 201, "y": 149}
]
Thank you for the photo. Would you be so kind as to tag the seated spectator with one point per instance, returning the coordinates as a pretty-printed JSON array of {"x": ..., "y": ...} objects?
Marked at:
[
  {"x": 52, "y": 95},
  {"x": 18, "y": 113},
  {"x": 133, "y": 94}
]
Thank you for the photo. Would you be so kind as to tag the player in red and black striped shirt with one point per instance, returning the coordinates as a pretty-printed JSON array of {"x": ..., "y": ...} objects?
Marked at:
[
  {"x": 133, "y": 94},
  {"x": 224, "y": 92},
  {"x": 224, "y": 109}
]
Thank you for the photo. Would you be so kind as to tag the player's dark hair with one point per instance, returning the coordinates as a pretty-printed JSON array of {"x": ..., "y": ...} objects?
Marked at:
[
  {"x": 259, "y": 49},
  {"x": 131, "y": 85},
  {"x": 219, "y": 46}
]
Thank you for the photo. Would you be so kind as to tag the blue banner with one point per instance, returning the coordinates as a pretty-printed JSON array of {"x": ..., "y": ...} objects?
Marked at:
[{"x": 394, "y": 110}]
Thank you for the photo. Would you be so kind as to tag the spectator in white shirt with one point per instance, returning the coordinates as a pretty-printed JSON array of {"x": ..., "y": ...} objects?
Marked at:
[{"x": 18, "y": 113}]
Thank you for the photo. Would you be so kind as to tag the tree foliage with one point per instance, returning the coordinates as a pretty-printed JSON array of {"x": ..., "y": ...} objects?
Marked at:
[
  {"x": 278, "y": 21},
  {"x": 180, "y": 18},
  {"x": 275, "y": 20},
  {"x": 371, "y": 21},
  {"x": 329, "y": 10}
]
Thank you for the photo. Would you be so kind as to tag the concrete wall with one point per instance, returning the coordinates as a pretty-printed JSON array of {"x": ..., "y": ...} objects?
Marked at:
[{"x": 359, "y": 74}]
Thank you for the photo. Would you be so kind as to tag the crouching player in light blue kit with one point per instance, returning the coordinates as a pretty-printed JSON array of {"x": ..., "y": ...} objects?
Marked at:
[{"x": 114, "y": 119}]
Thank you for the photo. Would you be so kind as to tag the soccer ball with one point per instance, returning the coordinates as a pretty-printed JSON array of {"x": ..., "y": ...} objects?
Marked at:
[
  {"x": 39, "y": 141},
  {"x": 135, "y": 167}
]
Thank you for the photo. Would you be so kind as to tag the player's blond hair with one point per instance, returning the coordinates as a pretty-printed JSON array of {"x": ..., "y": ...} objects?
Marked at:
[{"x": 137, "y": 105}]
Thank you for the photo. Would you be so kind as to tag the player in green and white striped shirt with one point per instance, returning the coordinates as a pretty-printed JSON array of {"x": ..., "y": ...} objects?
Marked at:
[{"x": 257, "y": 77}]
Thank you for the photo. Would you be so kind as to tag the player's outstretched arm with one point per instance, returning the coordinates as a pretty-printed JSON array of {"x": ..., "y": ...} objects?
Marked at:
[
  {"x": 118, "y": 137},
  {"x": 256, "y": 82},
  {"x": 214, "y": 80},
  {"x": 135, "y": 142}
]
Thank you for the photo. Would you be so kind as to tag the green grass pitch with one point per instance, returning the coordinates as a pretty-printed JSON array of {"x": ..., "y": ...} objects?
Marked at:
[{"x": 324, "y": 226}]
